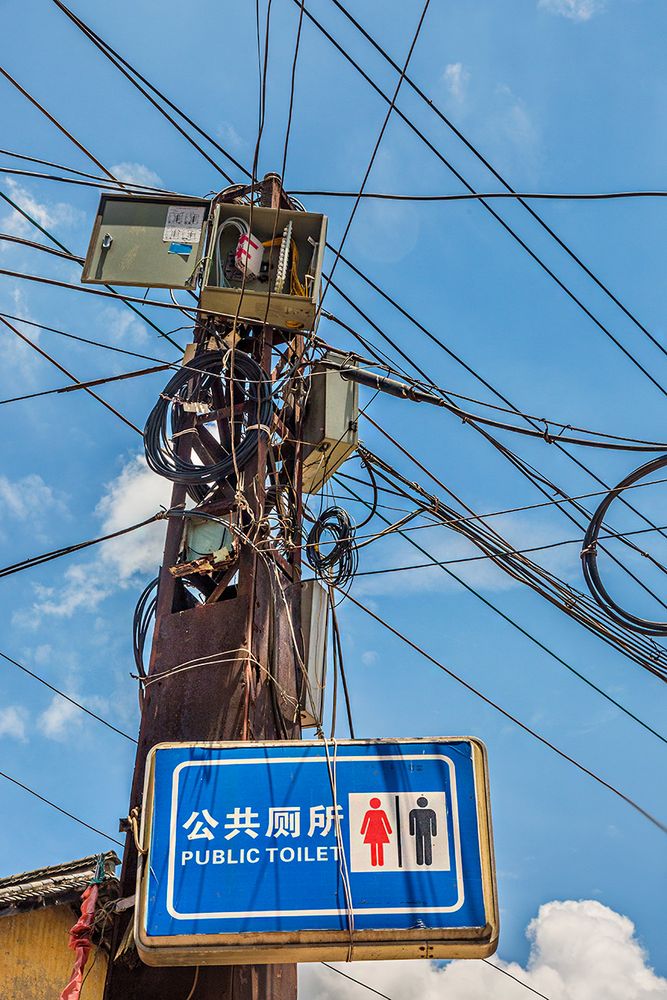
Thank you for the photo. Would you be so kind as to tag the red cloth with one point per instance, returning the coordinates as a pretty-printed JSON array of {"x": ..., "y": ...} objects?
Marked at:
[{"x": 80, "y": 942}]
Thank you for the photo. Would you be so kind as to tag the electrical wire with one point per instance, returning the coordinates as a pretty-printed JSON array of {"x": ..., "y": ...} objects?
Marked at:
[
  {"x": 64, "y": 812},
  {"x": 512, "y": 718},
  {"x": 52, "y": 360},
  {"x": 58, "y": 124},
  {"x": 337, "y": 564},
  {"x": 119, "y": 62},
  {"x": 185, "y": 392},
  {"x": 80, "y": 173},
  {"x": 538, "y": 260},
  {"x": 543, "y": 196},
  {"x": 45, "y": 557},
  {"x": 67, "y": 697},
  {"x": 509, "y": 189},
  {"x": 106, "y": 380},
  {"x": 528, "y": 635},
  {"x": 127, "y": 186},
  {"x": 566, "y": 598},
  {"x": 589, "y": 558},
  {"x": 390, "y": 109},
  {"x": 539, "y": 481}
]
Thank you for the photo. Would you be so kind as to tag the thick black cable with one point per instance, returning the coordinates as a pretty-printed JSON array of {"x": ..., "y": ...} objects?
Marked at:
[
  {"x": 56, "y": 364},
  {"x": 60, "y": 809},
  {"x": 45, "y": 557},
  {"x": 564, "y": 196},
  {"x": 566, "y": 598},
  {"x": 67, "y": 697},
  {"x": 538, "y": 260},
  {"x": 512, "y": 718},
  {"x": 81, "y": 173},
  {"x": 58, "y": 124},
  {"x": 115, "y": 58},
  {"x": 540, "y": 482},
  {"x": 186, "y": 388},
  {"x": 99, "y": 184},
  {"x": 508, "y": 188},
  {"x": 515, "y": 624},
  {"x": 589, "y": 561},
  {"x": 87, "y": 385},
  {"x": 392, "y": 106}
]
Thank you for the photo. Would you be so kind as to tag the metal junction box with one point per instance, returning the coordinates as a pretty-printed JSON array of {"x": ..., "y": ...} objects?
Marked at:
[
  {"x": 260, "y": 299},
  {"x": 330, "y": 421},
  {"x": 146, "y": 240},
  {"x": 314, "y": 622}
]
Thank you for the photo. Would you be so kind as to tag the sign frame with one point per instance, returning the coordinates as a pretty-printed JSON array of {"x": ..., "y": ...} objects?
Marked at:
[{"x": 261, "y": 947}]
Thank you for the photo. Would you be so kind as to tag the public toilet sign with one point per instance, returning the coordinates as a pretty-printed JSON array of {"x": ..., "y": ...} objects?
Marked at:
[{"x": 306, "y": 850}]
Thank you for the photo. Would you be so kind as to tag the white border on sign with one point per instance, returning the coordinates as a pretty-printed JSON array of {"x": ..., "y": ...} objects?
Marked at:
[{"x": 173, "y": 912}]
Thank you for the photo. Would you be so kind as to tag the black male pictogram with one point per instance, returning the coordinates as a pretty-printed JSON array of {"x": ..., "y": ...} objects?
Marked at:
[{"x": 423, "y": 827}]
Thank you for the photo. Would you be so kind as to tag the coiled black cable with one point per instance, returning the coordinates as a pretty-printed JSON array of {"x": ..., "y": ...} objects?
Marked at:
[
  {"x": 633, "y": 623},
  {"x": 143, "y": 616},
  {"x": 246, "y": 384},
  {"x": 337, "y": 564}
]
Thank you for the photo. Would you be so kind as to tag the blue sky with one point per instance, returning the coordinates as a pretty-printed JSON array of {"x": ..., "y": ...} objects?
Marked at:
[{"x": 561, "y": 95}]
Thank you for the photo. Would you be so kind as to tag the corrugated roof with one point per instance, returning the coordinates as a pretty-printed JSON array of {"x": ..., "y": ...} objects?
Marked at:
[{"x": 58, "y": 884}]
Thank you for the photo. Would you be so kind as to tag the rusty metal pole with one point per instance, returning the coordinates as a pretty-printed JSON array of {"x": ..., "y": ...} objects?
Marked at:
[{"x": 231, "y": 701}]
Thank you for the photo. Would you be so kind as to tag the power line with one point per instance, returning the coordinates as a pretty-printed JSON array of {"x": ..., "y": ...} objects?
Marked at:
[
  {"x": 127, "y": 186},
  {"x": 538, "y": 480},
  {"x": 119, "y": 62},
  {"x": 68, "y": 549},
  {"x": 515, "y": 624},
  {"x": 48, "y": 802},
  {"x": 477, "y": 196},
  {"x": 509, "y": 189},
  {"x": 79, "y": 173},
  {"x": 67, "y": 697},
  {"x": 538, "y": 260},
  {"x": 52, "y": 360},
  {"x": 87, "y": 340},
  {"x": 346, "y": 975},
  {"x": 392, "y": 107},
  {"x": 86, "y": 385},
  {"x": 512, "y": 718},
  {"x": 58, "y": 124}
]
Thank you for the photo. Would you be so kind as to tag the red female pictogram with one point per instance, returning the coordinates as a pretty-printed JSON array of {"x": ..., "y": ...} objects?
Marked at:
[{"x": 375, "y": 830}]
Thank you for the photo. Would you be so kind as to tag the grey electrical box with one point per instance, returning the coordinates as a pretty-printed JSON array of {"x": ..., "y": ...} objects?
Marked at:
[
  {"x": 330, "y": 421},
  {"x": 314, "y": 620},
  {"x": 207, "y": 538},
  {"x": 146, "y": 240},
  {"x": 269, "y": 296}
]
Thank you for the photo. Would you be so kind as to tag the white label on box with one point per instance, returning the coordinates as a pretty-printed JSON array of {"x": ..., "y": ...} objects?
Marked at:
[{"x": 184, "y": 224}]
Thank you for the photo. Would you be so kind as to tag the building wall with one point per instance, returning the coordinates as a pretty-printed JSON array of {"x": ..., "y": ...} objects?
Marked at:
[{"x": 35, "y": 961}]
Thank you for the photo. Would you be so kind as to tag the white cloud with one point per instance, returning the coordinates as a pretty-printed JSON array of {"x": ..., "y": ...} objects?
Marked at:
[
  {"x": 13, "y": 720},
  {"x": 231, "y": 137},
  {"x": 122, "y": 326},
  {"x": 580, "y": 950},
  {"x": 52, "y": 215},
  {"x": 137, "y": 173},
  {"x": 513, "y": 120},
  {"x": 456, "y": 78},
  {"x": 575, "y": 10},
  {"x": 58, "y": 720},
  {"x": 29, "y": 498},
  {"x": 369, "y": 657},
  {"x": 132, "y": 496}
]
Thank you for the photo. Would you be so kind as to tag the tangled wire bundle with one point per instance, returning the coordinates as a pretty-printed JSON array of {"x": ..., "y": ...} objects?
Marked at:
[
  {"x": 204, "y": 387},
  {"x": 589, "y": 557},
  {"x": 331, "y": 549}
]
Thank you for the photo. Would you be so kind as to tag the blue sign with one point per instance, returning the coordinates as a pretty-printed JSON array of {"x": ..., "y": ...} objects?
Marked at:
[{"x": 369, "y": 844}]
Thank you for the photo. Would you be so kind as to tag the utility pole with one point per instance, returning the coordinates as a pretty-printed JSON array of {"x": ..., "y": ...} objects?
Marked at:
[{"x": 251, "y": 620}]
